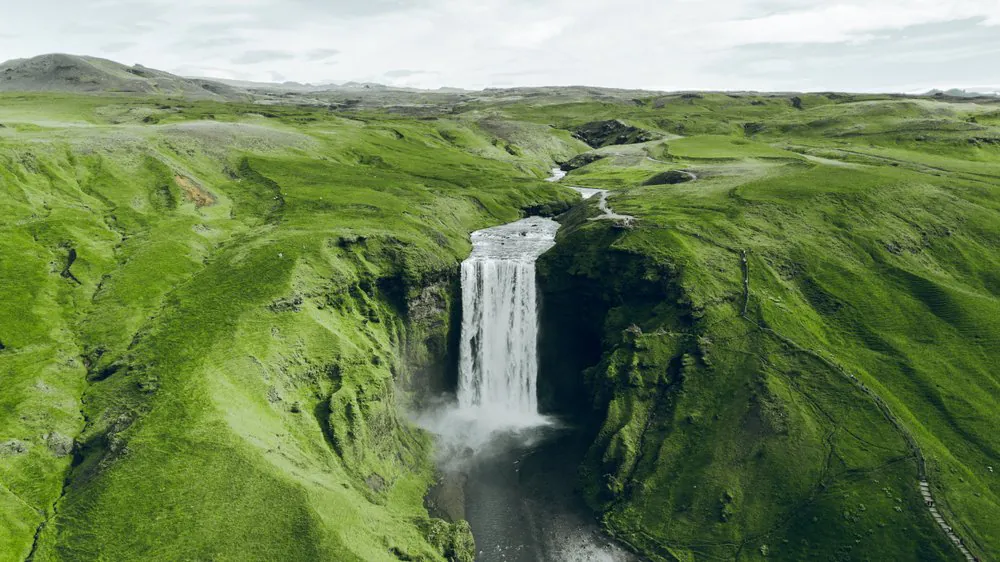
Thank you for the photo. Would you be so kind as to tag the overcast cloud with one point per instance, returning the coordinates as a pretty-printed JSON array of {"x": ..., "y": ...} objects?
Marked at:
[{"x": 860, "y": 45}]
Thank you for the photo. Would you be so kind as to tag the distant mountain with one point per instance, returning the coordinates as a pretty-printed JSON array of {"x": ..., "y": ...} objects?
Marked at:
[
  {"x": 270, "y": 86},
  {"x": 959, "y": 93},
  {"x": 71, "y": 73},
  {"x": 298, "y": 87}
]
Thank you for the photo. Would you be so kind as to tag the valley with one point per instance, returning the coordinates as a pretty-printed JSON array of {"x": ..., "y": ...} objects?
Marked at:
[{"x": 234, "y": 328}]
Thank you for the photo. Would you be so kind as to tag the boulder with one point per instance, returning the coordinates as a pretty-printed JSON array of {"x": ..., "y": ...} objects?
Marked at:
[
  {"x": 454, "y": 541},
  {"x": 59, "y": 444},
  {"x": 13, "y": 447}
]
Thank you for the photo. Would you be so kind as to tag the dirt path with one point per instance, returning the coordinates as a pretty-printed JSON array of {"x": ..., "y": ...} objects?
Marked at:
[{"x": 925, "y": 491}]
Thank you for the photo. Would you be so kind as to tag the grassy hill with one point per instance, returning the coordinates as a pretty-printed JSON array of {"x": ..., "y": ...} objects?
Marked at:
[
  {"x": 223, "y": 315},
  {"x": 215, "y": 316},
  {"x": 789, "y": 340},
  {"x": 70, "y": 73}
]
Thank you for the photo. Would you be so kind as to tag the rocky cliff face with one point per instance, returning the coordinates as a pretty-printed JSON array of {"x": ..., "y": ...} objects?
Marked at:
[
  {"x": 432, "y": 313},
  {"x": 245, "y": 362},
  {"x": 580, "y": 161}
]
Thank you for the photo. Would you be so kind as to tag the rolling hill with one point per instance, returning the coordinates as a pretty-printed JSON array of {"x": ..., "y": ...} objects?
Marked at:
[
  {"x": 217, "y": 316},
  {"x": 70, "y": 73}
]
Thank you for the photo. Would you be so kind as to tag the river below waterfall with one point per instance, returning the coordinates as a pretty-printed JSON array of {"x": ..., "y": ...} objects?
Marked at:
[
  {"x": 523, "y": 505},
  {"x": 507, "y": 469}
]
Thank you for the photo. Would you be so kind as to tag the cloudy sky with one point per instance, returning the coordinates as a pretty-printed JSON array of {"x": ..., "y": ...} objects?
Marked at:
[{"x": 857, "y": 45}]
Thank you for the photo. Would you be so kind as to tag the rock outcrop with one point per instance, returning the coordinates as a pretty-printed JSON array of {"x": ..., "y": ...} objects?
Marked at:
[
  {"x": 580, "y": 160},
  {"x": 611, "y": 132}
]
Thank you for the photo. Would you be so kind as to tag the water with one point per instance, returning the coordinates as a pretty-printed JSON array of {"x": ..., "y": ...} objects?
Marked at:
[
  {"x": 588, "y": 192},
  {"x": 498, "y": 366},
  {"x": 513, "y": 468},
  {"x": 557, "y": 175},
  {"x": 498, "y": 351},
  {"x": 585, "y": 192}
]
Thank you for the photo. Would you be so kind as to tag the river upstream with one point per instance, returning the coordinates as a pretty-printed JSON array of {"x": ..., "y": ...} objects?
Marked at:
[{"x": 513, "y": 469}]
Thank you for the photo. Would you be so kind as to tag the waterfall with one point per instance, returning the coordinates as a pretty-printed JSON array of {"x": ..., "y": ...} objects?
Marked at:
[
  {"x": 499, "y": 329},
  {"x": 498, "y": 366},
  {"x": 501, "y": 467}
]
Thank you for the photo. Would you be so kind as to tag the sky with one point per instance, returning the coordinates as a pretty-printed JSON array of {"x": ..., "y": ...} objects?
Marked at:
[{"x": 776, "y": 45}]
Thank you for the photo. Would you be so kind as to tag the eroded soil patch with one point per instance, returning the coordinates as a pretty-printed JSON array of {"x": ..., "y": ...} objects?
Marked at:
[{"x": 194, "y": 192}]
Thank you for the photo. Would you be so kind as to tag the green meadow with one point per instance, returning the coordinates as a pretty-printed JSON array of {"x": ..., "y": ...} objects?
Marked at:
[
  {"x": 736, "y": 424},
  {"x": 214, "y": 321}
]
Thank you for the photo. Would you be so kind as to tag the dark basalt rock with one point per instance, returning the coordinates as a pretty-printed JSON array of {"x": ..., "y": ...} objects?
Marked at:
[
  {"x": 612, "y": 132},
  {"x": 70, "y": 259},
  {"x": 580, "y": 160},
  {"x": 751, "y": 129}
]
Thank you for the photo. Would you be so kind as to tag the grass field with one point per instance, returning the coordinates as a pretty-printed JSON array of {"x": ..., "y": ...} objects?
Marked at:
[
  {"x": 872, "y": 260},
  {"x": 214, "y": 318},
  {"x": 224, "y": 347}
]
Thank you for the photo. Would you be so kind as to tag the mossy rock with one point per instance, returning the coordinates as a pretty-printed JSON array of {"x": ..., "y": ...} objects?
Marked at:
[
  {"x": 463, "y": 544},
  {"x": 580, "y": 160},
  {"x": 454, "y": 541},
  {"x": 670, "y": 177}
]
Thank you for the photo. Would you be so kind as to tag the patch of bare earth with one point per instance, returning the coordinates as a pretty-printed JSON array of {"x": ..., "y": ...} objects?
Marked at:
[{"x": 194, "y": 192}]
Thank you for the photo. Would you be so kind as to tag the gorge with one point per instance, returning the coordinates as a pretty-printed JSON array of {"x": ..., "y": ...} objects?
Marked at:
[{"x": 516, "y": 468}]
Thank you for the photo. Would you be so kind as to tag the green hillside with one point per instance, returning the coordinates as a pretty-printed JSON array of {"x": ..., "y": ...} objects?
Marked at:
[
  {"x": 226, "y": 345},
  {"x": 216, "y": 317},
  {"x": 788, "y": 417},
  {"x": 71, "y": 73}
]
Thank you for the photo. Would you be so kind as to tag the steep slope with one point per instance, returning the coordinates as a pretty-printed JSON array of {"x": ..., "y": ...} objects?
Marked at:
[
  {"x": 69, "y": 73},
  {"x": 215, "y": 314},
  {"x": 210, "y": 329},
  {"x": 792, "y": 343}
]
